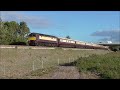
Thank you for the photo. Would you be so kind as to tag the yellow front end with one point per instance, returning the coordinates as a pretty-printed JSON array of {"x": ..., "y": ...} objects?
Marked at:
[{"x": 32, "y": 38}]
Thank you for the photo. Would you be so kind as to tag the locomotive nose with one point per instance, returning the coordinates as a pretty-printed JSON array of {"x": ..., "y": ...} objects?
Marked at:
[{"x": 31, "y": 40}]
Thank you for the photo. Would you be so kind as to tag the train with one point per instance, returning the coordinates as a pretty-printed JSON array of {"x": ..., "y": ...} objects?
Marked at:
[{"x": 38, "y": 39}]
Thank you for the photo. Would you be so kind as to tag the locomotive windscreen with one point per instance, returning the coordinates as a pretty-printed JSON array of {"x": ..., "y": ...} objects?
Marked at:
[{"x": 32, "y": 34}]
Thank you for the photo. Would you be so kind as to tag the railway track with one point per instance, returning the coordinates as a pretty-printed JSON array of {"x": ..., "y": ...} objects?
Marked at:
[
  {"x": 36, "y": 47},
  {"x": 25, "y": 47}
]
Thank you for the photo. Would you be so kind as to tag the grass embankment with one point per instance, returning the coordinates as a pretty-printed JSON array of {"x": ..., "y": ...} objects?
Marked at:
[
  {"x": 15, "y": 63},
  {"x": 106, "y": 66}
]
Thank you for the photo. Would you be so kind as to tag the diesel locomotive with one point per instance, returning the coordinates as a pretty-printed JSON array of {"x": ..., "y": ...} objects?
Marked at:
[{"x": 37, "y": 39}]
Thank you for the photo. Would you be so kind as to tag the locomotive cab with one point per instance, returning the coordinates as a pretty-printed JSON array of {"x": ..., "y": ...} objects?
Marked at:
[{"x": 32, "y": 39}]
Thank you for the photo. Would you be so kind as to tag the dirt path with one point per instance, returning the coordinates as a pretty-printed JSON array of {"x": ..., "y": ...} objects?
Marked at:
[
  {"x": 66, "y": 72},
  {"x": 63, "y": 72}
]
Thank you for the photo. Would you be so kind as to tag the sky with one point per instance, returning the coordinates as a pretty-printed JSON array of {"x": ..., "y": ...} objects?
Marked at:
[{"x": 88, "y": 26}]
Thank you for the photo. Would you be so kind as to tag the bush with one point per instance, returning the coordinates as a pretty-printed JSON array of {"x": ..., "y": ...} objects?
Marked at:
[{"x": 107, "y": 66}]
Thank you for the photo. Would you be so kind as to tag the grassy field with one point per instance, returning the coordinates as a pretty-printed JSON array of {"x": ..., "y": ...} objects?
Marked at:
[
  {"x": 15, "y": 63},
  {"x": 106, "y": 66}
]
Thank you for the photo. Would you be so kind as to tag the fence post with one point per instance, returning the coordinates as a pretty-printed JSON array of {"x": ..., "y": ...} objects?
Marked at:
[
  {"x": 42, "y": 64},
  {"x": 4, "y": 69},
  {"x": 33, "y": 66}
]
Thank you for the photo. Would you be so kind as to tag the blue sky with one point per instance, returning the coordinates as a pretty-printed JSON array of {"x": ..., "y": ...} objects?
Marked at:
[{"x": 86, "y": 26}]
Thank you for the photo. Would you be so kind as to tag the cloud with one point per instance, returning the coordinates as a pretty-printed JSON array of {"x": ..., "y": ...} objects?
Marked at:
[
  {"x": 113, "y": 35},
  {"x": 32, "y": 20}
]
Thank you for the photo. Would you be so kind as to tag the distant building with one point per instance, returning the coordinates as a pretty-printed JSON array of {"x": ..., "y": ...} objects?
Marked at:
[{"x": 109, "y": 41}]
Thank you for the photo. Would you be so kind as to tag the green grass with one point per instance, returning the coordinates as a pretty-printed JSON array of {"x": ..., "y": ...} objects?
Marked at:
[
  {"x": 40, "y": 72},
  {"x": 17, "y": 62},
  {"x": 106, "y": 66}
]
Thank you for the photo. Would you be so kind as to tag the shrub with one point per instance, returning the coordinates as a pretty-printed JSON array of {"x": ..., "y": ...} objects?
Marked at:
[{"x": 107, "y": 66}]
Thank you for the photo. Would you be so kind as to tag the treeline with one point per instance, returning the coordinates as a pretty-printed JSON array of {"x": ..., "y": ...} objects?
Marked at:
[{"x": 13, "y": 33}]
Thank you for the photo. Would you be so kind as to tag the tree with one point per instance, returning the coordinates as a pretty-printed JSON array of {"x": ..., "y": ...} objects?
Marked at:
[
  {"x": 24, "y": 30},
  {"x": 68, "y": 37},
  {"x": 12, "y": 28},
  {"x": 4, "y": 34},
  {"x": 12, "y": 32}
]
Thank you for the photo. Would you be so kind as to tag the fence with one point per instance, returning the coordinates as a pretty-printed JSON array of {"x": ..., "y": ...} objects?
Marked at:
[
  {"x": 18, "y": 62},
  {"x": 15, "y": 63}
]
